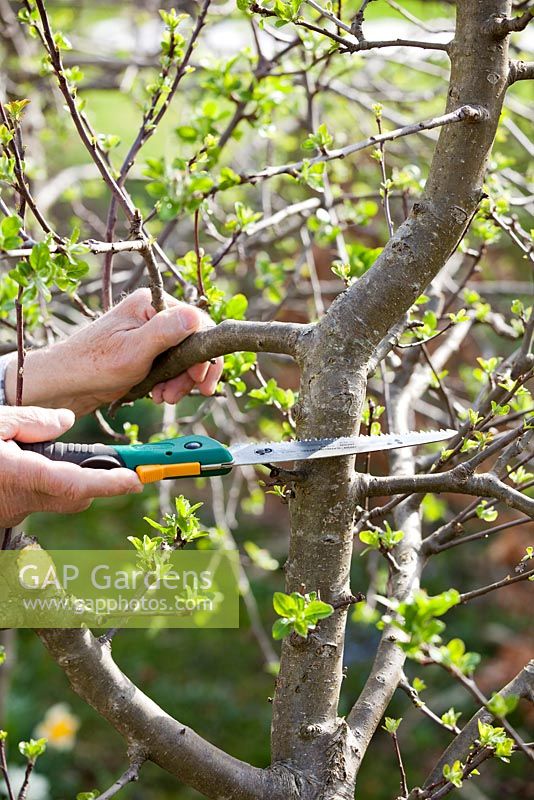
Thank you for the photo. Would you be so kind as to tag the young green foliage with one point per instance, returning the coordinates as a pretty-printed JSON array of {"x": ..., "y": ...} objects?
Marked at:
[{"x": 299, "y": 613}]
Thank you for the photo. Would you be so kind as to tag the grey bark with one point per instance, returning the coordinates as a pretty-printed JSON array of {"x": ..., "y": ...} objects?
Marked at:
[
  {"x": 152, "y": 733},
  {"x": 334, "y": 367},
  {"x": 315, "y": 754}
]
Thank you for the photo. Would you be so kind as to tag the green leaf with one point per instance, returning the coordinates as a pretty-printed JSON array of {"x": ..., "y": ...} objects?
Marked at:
[
  {"x": 391, "y": 725},
  {"x": 236, "y": 307},
  {"x": 260, "y": 557},
  {"x": 370, "y": 538},
  {"x": 284, "y": 604},
  {"x": 299, "y": 613},
  {"x": 282, "y": 628},
  {"x": 316, "y": 610},
  {"x": 486, "y": 512},
  {"x": 454, "y": 654},
  {"x": 419, "y": 685},
  {"x": 33, "y": 749},
  {"x": 454, "y": 774},
  {"x": 501, "y": 706},
  {"x": 451, "y": 717},
  {"x": 15, "y": 108}
]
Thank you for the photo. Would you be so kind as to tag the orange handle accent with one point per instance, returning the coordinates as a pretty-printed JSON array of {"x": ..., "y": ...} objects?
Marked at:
[{"x": 149, "y": 473}]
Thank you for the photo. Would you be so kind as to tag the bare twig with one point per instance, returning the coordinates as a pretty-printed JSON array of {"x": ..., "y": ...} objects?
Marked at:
[
  {"x": 131, "y": 775},
  {"x": 3, "y": 769},
  {"x": 523, "y": 576},
  {"x": 95, "y": 247},
  {"x": 466, "y": 112},
  {"x": 403, "y": 779},
  {"x": 21, "y": 351}
]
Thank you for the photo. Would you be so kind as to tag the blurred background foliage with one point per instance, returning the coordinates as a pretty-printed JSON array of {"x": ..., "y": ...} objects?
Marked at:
[{"x": 218, "y": 681}]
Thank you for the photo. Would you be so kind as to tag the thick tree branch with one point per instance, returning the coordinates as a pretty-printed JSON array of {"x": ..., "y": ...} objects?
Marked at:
[
  {"x": 502, "y": 26},
  {"x": 459, "y": 479},
  {"x": 96, "y": 678},
  {"x": 522, "y": 686},
  {"x": 521, "y": 71},
  {"x": 228, "y": 337}
]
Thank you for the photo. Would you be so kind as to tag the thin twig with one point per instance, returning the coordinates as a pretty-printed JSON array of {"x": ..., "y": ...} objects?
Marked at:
[
  {"x": 403, "y": 780},
  {"x": 200, "y": 281},
  {"x": 21, "y": 352},
  {"x": 25, "y": 783},
  {"x": 473, "y": 537},
  {"x": 524, "y": 576},
  {"x": 131, "y": 774},
  {"x": 384, "y": 187},
  {"x": 464, "y": 113},
  {"x": 3, "y": 767}
]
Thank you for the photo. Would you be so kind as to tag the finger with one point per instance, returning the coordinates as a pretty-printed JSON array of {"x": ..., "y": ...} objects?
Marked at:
[
  {"x": 139, "y": 303},
  {"x": 74, "y": 483},
  {"x": 33, "y": 424},
  {"x": 177, "y": 388},
  {"x": 165, "y": 329},
  {"x": 209, "y": 384},
  {"x": 198, "y": 372},
  {"x": 157, "y": 393}
]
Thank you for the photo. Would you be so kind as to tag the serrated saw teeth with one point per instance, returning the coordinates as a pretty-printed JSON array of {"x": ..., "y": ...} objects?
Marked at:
[{"x": 304, "y": 449}]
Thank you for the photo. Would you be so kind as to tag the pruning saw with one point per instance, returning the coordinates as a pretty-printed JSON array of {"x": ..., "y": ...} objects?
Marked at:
[{"x": 197, "y": 456}]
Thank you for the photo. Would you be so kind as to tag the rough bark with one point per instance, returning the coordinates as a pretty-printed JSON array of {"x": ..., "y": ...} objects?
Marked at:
[
  {"x": 151, "y": 732},
  {"x": 315, "y": 754},
  {"x": 334, "y": 358},
  {"x": 229, "y": 336}
]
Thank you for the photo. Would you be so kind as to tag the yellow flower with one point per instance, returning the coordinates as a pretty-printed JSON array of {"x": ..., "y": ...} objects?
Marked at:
[{"x": 59, "y": 726}]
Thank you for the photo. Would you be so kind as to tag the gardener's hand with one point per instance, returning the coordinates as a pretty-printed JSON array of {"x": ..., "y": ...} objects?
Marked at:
[
  {"x": 102, "y": 361},
  {"x": 30, "y": 482}
]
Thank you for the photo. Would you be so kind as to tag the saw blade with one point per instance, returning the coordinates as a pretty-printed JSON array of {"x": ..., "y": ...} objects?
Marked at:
[{"x": 304, "y": 449}]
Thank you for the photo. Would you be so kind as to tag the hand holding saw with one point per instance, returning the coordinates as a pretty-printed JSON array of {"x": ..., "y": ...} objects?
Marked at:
[{"x": 196, "y": 456}]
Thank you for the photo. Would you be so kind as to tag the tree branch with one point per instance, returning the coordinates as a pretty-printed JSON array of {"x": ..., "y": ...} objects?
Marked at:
[
  {"x": 502, "y": 26},
  {"x": 96, "y": 678},
  {"x": 461, "y": 114},
  {"x": 131, "y": 775},
  {"x": 523, "y": 576},
  {"x": 522, "y": 686},
  {"x": 459, "y": 479},
  {"x": 95, "y": 247},
  {"x": 228, "y": 337},
  {"x": 520, "y": 71},
  {"x": 483, "y": 534}
]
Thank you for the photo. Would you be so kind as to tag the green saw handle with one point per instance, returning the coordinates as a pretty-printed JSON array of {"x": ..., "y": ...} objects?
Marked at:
[{"x": 185, "y": 456}]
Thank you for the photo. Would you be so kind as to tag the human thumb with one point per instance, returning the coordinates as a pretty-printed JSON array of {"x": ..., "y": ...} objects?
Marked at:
[{"x": 167, "y": 328}]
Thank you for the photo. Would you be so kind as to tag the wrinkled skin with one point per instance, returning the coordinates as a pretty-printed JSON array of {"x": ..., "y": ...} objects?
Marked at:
[
  {"x": 93, "y": 367},
  {"x": 103, "y": 360},
  {"x": 30, "y": 482}
]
